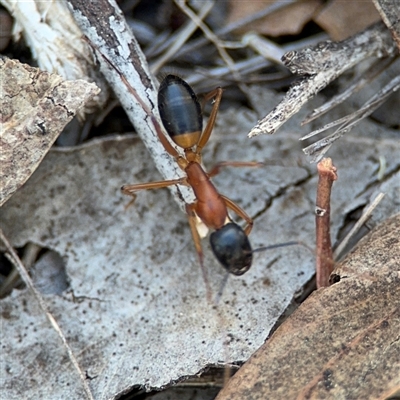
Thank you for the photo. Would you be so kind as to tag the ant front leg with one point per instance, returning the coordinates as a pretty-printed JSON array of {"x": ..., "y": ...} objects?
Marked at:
[{"x": 240, "y": 212}]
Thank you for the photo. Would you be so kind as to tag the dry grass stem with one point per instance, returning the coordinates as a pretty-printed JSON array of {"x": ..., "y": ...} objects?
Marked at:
[
  {"x": 198, "y": 43},
  {"x": 316, "y": 150},
  {"x": 362, "y": 220},
  {"x": 181, "y": 37},
  {"x": 375, "y": 69},
  {"x": 213, "y": 39}
]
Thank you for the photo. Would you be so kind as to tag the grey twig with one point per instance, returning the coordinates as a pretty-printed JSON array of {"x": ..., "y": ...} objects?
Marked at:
[
  {"x": 318, "y": 149},
  {"x": 322, "y": 64}
]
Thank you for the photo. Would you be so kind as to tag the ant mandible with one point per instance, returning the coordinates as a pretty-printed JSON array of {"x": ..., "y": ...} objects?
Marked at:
[{"x": 181, "y": 115}]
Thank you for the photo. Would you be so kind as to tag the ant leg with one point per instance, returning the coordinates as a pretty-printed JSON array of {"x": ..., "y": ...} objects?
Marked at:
[
  {"x": 214, "y": 93},
  {"x": 130, "y": 190},
  {"x": 240, "y": 212},
  {"x": 217, "y": 93},
  {"x": 131, "y": 202},
  {"x": 190, "y": 209},
  {"x": 217, "y": 167},
  {"x": 163, "y": 139}
]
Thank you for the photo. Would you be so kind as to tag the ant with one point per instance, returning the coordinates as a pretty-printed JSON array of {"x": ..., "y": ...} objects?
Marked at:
[{"x": 181, "y": 115}]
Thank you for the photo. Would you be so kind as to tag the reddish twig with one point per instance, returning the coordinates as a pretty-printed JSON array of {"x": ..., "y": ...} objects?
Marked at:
[{"x": 324, "y": 266}]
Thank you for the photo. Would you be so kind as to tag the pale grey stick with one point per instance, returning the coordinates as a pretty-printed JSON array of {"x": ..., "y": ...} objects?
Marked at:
[
  {"x": 375, "y": 69},
  {"x": 318, "y": 149}
]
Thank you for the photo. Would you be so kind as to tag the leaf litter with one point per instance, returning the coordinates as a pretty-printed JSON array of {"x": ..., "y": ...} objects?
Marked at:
[
  {"x": 136, "y": 313},
  {"x": 343, "y": 341}
]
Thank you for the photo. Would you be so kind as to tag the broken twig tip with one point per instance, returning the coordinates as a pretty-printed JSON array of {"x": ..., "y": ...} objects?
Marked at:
[{"x": 326, "y": 167}]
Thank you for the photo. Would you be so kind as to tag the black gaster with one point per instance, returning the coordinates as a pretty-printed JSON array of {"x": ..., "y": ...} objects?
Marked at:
[
  {"x": 179, "y": 107},
  {"x": 232, "y": 248}
]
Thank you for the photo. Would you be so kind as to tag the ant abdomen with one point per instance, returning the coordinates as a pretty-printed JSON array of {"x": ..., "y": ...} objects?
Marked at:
[{"x": 180, "y": 111}]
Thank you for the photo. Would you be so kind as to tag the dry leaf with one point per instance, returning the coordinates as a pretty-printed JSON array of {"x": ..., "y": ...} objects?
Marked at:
[
  {"x": 35, "y": 107},
  {"x": 343, "y": 341},
  {"x": 289, "y": 20},
  {"x": 342, "y": 19}
]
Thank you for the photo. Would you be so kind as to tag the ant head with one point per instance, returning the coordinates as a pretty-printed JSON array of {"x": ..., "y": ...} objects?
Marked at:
[{"x": 232, "y": 248}]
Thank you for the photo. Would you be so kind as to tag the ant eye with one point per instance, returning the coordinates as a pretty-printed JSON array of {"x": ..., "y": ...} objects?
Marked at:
[{"x": 232, "y": 248}]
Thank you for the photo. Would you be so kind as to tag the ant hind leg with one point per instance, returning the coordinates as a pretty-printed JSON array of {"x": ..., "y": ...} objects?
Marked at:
[
  {"x": 240, "y": 212},
  {"x": 190, "y": 209}
]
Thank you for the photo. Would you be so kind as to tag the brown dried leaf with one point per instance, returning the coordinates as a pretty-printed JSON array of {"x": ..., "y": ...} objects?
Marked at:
[
  {"x": 343, "y": 341},
  {"x": 6, "y": 23},
  {"x": 342, "y": 19},
  {"x": 382, "y": 250},
  {"x": 35, "y": 107},
  {"x": 289, "y": 20}
]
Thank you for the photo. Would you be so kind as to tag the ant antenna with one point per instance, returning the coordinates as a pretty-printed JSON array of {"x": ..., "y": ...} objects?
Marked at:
[{"x": 275, "y": 246}]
